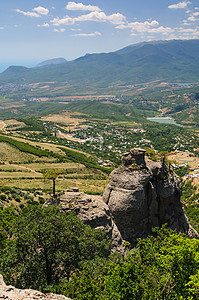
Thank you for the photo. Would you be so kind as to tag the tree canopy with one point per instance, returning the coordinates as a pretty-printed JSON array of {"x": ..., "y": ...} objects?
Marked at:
[
  {"x": 48, "y": 245},
  {"x": 44, "y": 249}
]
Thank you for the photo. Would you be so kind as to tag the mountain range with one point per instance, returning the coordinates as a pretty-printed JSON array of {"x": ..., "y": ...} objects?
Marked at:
[
  {"x": 53, "y": 61},
  {"x": 172, "y": 60}
]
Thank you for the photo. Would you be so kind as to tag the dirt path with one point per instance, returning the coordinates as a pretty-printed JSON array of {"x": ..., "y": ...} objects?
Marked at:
[
  {"x": 2, "y": 125},
  {"x": 23, "y": 167},
  {"x": 69, "y": 137}
]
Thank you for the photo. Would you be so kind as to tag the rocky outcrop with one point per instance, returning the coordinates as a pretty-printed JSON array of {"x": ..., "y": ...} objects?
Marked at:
[
  {"x": 142, "y": 195},
  {"x": 11, "y": 293},
  {"x": 92, "y": 211}
]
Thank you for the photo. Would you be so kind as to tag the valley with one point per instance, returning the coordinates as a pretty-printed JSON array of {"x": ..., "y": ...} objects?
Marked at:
[
  {"x": 67, "y": 132},
  {"x": 84, "y": 136}
]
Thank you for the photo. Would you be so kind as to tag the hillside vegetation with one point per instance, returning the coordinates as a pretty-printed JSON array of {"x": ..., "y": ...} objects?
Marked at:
[
  {"x": 163, "y": 60},
  {"x": 70, "y": 258}
]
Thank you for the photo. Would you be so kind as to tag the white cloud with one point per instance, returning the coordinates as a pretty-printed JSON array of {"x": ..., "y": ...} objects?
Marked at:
[
  {"x": 59, "y": 30},
  {"x": 43, "y": 25},
  {"x": 196, "y": 14},
  {"x": 116, "y": 19},
  {"x": 192, "y": 19},
  {"x": 161, "y": 29},
  {"x": 36, "y": 12},
  {"x": 1, "y": 28},
  {"x": 28, "y": 13},
  {"x": 95, "y": 16},
  {"x": 41, "y": 10},
  {"x": 179, "y": 5},
  {"x": 187, "y": 30},
  {"x": 88, "y": 34},
  {"x": 81, "y": 6},
  {"x": 139, "y": 26},
  {"x": 143, "y": 28},
  {"x": 185, "y": 23},
  {"x": 64, "y": 21}
]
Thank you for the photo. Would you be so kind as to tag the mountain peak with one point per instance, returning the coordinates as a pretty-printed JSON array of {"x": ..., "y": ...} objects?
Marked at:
[{"x": 53, "y": 61}]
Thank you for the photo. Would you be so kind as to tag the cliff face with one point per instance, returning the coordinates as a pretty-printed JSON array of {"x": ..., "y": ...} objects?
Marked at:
[{"x": 142, "y": 195}]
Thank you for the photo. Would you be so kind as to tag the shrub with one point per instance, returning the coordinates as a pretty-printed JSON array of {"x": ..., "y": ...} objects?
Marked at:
[
  {"x": 18, "y": 199},
  {"x": 3, "y": 197},
  {"x": 21, "y": 205},
  {"x": 41, "y": 200}
]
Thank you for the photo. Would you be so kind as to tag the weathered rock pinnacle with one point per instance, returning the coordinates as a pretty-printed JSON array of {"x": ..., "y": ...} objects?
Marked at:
[{"x": 143, "y": 195}]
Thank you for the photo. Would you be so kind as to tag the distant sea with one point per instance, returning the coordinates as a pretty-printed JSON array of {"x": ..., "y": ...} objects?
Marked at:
[{"x": 29, "y": 64}]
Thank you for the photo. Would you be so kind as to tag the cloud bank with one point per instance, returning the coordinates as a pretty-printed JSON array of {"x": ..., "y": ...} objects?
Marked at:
[
  {"x": 179, "y": 5},
  {"x": 36, "y": 12}
]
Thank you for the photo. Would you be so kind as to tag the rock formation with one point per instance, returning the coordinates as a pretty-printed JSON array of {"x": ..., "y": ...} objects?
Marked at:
[
  {"x": 142, "y": 195},
  {"x": 92, "y": 211},
  {"x": 12, "y": 293}
]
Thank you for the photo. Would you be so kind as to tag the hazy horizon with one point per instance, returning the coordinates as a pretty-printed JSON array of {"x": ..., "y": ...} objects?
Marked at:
[{"x": 33, "y": 32}]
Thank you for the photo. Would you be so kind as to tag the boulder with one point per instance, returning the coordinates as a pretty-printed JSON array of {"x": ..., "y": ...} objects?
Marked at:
[
  {"x": 92, "y": 211},
  {"x": 11, "y": 293}
]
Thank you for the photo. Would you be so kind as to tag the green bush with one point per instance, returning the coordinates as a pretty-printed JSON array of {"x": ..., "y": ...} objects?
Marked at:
[
  {"x": 41, "y": 200},
  {"x": 18, "y": 199},
  {"x": 3, "y": 197},
  {"x": 160, "y": 268},
  {"x": 21, "y": 205}
]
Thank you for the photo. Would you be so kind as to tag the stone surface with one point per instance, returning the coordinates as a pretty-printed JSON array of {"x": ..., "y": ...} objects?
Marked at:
[
  {"x": 11, "y": 293},
  {"x": 92, "y": 211},
  {"x": 143, "y": 195}
]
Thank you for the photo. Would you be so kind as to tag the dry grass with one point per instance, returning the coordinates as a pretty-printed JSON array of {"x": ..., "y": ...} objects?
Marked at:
[
  {"x": 2, "y": 125},
  {"x": 183, "y": 157},
  {"x": 26, "y": 175},
  {"x": 9, "y": 153},
  {"x": 66, "y": 118},
  {"x": 19, "y": 175},
  {"x": 14, "y": 122},
  {"x": 44, "y": 146},
  {"x": 46, "y": 166},
  {"x": 61, "y": 184}
]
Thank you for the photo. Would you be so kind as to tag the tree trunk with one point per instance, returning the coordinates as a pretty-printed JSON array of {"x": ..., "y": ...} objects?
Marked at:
[{"x": 54, "y": 195}]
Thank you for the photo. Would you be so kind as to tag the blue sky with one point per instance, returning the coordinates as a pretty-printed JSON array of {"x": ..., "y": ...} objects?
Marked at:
[{"x": 36, "y": 30}]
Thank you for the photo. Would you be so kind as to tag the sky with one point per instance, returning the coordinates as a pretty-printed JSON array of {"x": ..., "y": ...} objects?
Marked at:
[{"x": 37, "y": 30}]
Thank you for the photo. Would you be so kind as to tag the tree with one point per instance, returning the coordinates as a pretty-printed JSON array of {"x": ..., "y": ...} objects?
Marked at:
[
  {"x": 7, "y": 217},
  {"x": 52, "y": 174},
  {"x": 48, "y": 245},
  {"x": 165, "y": 266}
]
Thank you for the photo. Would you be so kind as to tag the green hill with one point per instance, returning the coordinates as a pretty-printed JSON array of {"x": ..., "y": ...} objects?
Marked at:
[{"x": 174, "y": 60}]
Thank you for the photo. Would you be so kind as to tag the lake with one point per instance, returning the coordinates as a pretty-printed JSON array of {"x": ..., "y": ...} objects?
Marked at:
[{"x": 164, "y": 120}]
